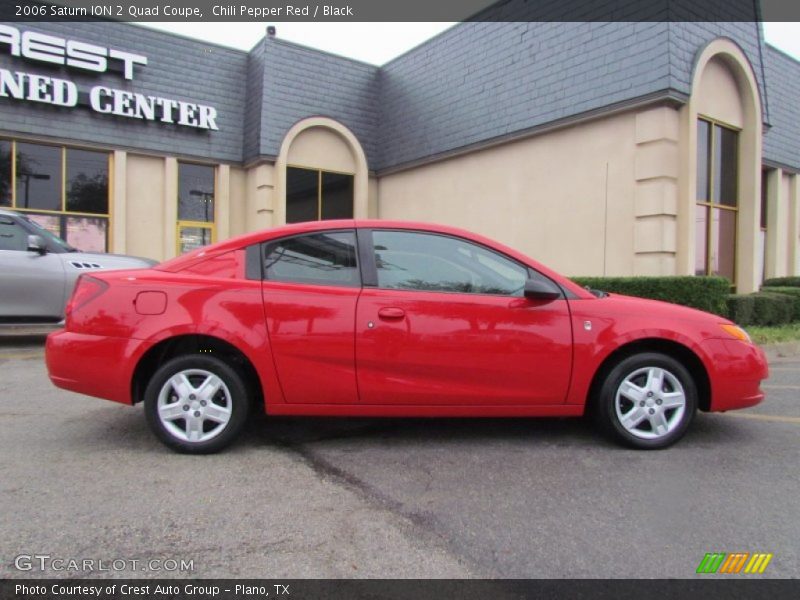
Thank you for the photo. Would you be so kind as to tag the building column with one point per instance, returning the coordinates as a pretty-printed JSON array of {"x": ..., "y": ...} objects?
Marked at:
[
  {"x": 170, "y": 207},
  {"x": 260, "y": 198},
  {"x": 222, "y": 203},
  {"x": 777, "y": 226},
  {"x": 793, "y": 224},
  {"x": 656, "y": 193},
  {"x": 119, "y": 204}
]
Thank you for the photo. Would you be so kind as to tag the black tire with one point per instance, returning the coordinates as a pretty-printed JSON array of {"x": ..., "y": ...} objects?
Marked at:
[
  {"x": 670, "y": 423},
  {"x": 231, "y": 401}
]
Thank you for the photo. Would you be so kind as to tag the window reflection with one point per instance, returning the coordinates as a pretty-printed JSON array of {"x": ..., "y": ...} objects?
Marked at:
[
  {"x": 313, "y": 195},
  {"x": 5, "y": 173},
  {"x": 38, "y": 175},
  {"x": 195, "y": 193},
  {"x": 87, "y": 181}
]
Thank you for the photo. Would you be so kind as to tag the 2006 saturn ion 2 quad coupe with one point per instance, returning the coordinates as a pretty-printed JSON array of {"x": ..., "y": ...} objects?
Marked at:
[{"x": 382, "y": 318}]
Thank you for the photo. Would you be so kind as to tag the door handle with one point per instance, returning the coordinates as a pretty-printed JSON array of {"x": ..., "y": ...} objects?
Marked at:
[{"x": 390, "y": 312}]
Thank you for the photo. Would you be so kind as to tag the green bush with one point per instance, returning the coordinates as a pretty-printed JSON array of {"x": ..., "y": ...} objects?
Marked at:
[
  {"x": 772, "y": 309},
  {"x": 794, "y": 293},
  {"x": 764, "y": 308},
  {"x": 704, "y": 293},
  {"x": 741, "y": 308},
  {"x": 783, "y": 282}
]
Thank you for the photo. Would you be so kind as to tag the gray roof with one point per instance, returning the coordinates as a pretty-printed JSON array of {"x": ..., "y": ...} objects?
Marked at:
[
  {"x": 474, "y": 83},
  {"x": 478, "y": 82},
  {"x": 300, "y": 82},
  {"x": 782, "y": 141}
]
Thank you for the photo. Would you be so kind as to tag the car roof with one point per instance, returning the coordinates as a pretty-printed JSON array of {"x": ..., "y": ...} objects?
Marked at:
[{"x": 242, "y": 241}]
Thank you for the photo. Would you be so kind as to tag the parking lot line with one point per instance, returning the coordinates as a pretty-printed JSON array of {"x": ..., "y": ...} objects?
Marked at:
[{"x": 776, "y": 418}]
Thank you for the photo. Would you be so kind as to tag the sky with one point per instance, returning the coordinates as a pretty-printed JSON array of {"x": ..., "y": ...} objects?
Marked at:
[{"x": 378, "y": 43}]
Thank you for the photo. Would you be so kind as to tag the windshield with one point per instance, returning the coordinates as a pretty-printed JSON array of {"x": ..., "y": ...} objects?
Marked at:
[{"x": 49, "y": 237}]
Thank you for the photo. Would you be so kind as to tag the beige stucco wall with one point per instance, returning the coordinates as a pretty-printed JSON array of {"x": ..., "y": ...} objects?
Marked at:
[
  {"x": 544, "y": 195},
  {"x": 144, "y": 207},
  {"x": 781, "y": 245},
  {"x": 238, "y": 201},
  {"x": 321, "y": 148},
  {"x": 718, "y": 94}
]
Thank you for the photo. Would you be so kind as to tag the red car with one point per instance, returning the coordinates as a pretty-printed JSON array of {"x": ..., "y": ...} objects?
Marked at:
[{"x": 394, "y": 319}]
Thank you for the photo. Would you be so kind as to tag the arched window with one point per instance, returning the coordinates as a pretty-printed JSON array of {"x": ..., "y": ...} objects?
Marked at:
[{"x": 717, "y": 199}]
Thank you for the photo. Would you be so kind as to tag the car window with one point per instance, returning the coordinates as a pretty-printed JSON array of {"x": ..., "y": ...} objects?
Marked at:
[
  {"x": 421, "y": 261},
  {"x": 12, "y": 235},
  {"x": 320, "y": 258}
]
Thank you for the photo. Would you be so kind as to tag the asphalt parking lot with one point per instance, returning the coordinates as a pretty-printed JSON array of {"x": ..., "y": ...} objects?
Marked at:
[{"x": 84, "y": 479}]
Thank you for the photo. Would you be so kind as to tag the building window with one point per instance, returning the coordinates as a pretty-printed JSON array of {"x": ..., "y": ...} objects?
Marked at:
[
  {"x": 314, "y": 195},
  {"x": 6, "y": 165},
  {"x": 65, "y": 190},
  {"x": 196, "y": 190},
  {"x": 763, "y": 232},
  {"x": 717, "y": 203}
]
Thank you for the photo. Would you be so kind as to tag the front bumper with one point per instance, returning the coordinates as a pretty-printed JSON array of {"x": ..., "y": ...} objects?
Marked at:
[
  {"x": 736, "y": 370},
  {"x": 94, "y": 365}
]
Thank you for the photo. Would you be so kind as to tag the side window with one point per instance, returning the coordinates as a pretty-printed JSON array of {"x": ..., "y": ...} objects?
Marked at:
[
  {"x": 437, "y": 263},
  {"x": 319, "y": 258},
  {"x": 12, "y": 235}
]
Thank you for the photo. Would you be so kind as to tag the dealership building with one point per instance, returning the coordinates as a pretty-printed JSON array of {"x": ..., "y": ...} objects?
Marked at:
[{"x": 598, "y": 148}]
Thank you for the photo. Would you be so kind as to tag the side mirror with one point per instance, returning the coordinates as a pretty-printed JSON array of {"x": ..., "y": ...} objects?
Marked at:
[
  {"x": 36, "y": 244},
  {"x": 541, "y": 289}
]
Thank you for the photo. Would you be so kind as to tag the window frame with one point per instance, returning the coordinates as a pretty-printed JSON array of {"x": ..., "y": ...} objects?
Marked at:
[
  {"x": 319, "y": 173},
  {"x": 63, "y": 213},
  {"x": 263, "y": 246},
  {"x": 711, "y": 204},
  {"x": 180, "y": 224},
  {"x": 370, "y": 270}
]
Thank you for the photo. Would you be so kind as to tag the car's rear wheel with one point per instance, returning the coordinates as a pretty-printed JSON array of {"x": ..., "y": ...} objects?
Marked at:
[
  {"x": 196, "y": 404},
  {"x": 647, "y": 401}
]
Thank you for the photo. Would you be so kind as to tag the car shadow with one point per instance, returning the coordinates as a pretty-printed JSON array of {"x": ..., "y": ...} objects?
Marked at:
[
  {"x": 124, "y": 428},
  {"x": 307, "y": 430}
]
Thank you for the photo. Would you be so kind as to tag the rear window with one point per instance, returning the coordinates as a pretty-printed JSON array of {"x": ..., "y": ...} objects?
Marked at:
[{"x": 319, "y": 258}]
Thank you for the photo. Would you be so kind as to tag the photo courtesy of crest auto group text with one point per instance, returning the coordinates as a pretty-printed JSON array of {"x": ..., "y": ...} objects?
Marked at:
[{"x": 493, "y": 298}]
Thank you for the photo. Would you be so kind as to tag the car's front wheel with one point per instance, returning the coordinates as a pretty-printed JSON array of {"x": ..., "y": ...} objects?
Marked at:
[
  {"x": 196, "y": 404},
  {"x": 647, "y": 401}
]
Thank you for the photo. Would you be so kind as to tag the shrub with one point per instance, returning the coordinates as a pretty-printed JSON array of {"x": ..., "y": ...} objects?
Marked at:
[
  {"x": 772, "y": 309},
  {"x": 794, "y": 293},
  {"x": 783, "y": 282},
  {"x": 704, "y": 293},
  {"x": 764, "y": 308},
  {"x": 741, "y": 308}
]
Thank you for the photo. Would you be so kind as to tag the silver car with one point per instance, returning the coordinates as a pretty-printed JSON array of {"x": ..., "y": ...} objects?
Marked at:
[{"x": 38, "y": 270}]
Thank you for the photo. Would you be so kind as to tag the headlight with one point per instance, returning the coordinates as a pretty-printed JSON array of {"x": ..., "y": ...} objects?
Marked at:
[{"x": 736, "y": 332}]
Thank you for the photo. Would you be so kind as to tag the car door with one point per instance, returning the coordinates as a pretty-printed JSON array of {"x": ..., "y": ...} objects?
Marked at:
[
  {"x": 32, "y": 285},
  {"x": 310, "y": 287},
  {"x": 446, "y": 323}
]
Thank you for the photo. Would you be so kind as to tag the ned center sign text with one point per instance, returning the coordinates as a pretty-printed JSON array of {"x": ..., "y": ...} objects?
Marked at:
[{"x": 74, "y": 54}]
